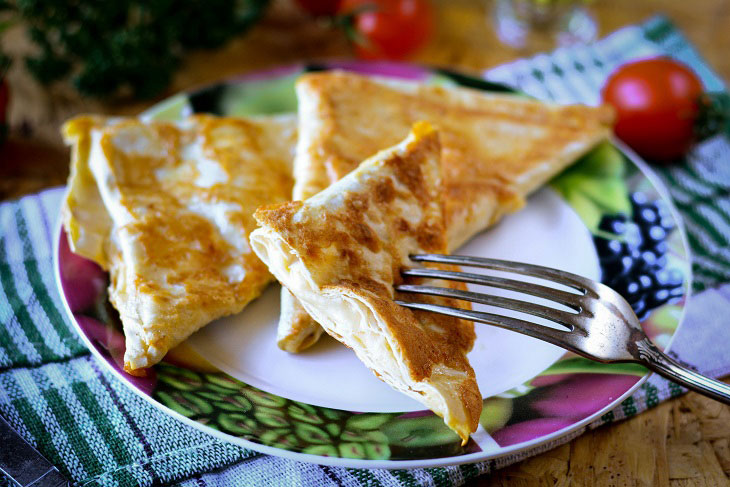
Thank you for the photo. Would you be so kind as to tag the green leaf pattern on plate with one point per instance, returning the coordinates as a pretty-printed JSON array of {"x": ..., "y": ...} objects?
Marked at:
[
  {"x": 267, "y": 97},
  {"x": 233, "y": 407},
  {"x": 575, "y": 365},
  {"x": 595, "y": 185}
]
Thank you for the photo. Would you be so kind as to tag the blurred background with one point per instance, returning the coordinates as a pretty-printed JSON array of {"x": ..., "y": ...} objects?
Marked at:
[{"x": 63, "y": 58}]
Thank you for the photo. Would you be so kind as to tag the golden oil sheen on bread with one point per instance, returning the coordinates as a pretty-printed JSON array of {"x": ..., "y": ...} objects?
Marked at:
[
  {"x": 167, "y": 209},
  {"x": 496, "y": 149},
  {"x": 340, "y": 253}
]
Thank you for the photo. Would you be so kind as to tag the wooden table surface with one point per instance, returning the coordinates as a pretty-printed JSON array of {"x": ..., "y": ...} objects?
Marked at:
[{"x": 681, "y": 442}]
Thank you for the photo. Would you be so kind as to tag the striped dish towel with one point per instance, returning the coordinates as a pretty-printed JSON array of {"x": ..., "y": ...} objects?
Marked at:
[
  {"x": 98, "y": 432},
  {"x": 699, "y": 189}
]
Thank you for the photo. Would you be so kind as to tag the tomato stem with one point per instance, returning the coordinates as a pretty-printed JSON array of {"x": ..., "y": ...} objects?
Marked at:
[
  {"x": 346, "y": 21},
  {"x": 714, "y": 115}
]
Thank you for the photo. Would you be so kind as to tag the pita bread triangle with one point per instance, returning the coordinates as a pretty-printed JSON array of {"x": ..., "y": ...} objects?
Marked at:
[
  {"x": 340, "y": 253},
  {"x": 167, "y": 208},
  {"x": 496, "y": 150}
]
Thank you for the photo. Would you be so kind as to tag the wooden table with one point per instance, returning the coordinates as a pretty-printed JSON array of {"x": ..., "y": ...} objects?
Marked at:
[{"x": 682, "y": 442}]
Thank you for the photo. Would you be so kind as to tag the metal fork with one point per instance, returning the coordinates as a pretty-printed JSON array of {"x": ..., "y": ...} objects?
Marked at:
[{"x": 602, "y": 326}]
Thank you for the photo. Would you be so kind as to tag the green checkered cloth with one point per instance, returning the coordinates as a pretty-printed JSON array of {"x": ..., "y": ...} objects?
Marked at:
[
  {"x": 699, "y": 188},
  {"x": 98, "y": 432}
]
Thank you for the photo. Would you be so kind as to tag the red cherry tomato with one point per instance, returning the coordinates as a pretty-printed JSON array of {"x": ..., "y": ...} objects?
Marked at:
[
  {"x": 320, "y": 7},
  {"x": 389, "y": 29},
  {"x": 657, "y": 103}
]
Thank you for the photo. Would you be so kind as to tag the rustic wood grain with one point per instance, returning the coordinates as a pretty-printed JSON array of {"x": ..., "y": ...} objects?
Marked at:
[{"x": 684, "y": 442}]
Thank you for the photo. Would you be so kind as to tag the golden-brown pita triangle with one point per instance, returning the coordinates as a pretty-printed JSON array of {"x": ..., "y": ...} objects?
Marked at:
[
  {"x": 341, "y": 252},
  {"x": 496, "y": 149},
  {"x": 167, "y": 208}
]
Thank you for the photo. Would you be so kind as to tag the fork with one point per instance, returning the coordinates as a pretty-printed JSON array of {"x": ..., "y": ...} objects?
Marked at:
[{"x": 601, "y": 325}]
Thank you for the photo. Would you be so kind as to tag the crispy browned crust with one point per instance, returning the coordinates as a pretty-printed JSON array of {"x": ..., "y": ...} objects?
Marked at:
[
  {"x": 177, "y": 280},
  {"x": 496, "y": 148},
  {"x": 336, "y": 245}
]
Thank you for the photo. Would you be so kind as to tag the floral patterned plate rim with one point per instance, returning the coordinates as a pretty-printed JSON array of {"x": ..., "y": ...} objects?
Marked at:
[{"x": 640, "y": 247}]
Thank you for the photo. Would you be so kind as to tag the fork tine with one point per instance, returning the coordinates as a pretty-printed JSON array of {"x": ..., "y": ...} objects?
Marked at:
[
  {"x": 565, "y": 298},
  {"x": 566, "y": 278},
  {"x": 558, "y": 316},
  {"x": 551, "y": 335}
]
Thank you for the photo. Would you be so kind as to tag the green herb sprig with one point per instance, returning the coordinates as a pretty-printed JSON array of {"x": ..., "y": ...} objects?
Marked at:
[{"x": 125, "y": 47}]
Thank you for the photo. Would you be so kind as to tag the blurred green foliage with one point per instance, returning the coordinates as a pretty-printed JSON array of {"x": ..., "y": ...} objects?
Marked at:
[
  {"x": 714, "y": 116},
  {"x": 124, "y": 47}
]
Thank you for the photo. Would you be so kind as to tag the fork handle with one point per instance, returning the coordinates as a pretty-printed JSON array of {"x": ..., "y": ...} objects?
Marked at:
[{"x": 664, "y": 365}]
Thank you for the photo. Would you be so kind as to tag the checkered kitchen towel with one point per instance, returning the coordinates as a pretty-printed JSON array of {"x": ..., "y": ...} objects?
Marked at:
[{"x": 98, "y": 432}]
